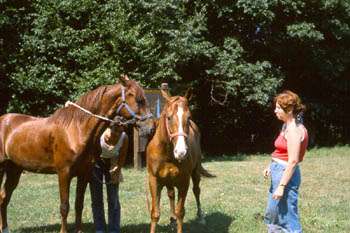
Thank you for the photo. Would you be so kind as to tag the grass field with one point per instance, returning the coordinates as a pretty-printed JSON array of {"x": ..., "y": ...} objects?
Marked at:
[{"x": 233, "y": 202}]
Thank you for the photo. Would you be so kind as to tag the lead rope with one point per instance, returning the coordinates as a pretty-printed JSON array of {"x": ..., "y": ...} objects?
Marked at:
[
  {"x": 147, "y": 196},
  {"x": 87, "y": 111}
]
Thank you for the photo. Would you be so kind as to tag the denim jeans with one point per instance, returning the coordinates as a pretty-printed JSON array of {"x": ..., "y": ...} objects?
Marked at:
[
  {"x": 96, "y": 191},
  {"x": 282, "y": 215}
]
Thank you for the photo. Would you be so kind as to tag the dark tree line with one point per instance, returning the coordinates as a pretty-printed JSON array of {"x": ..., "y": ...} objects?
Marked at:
[{"x": 235, "y": 54}]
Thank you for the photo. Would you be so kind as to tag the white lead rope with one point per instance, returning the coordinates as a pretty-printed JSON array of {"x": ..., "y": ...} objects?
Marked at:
[
  {"x": 88, "y": 112},
  {"x": 119, "y": 120}
]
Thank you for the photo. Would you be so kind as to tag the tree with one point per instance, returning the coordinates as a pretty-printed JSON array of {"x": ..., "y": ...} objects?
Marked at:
[
  {"x": 235, "y": 54},
  {"x": 72, "y": 47},
  {"x": 13, "y": 23}
]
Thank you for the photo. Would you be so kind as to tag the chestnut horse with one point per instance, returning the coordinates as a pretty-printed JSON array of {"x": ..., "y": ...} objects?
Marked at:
[
  {"x": 66, "y": 143},
  {"x": 173, "y": 157}
]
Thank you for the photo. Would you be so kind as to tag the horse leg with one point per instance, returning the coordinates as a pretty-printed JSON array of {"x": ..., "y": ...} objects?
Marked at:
[
  {"x": 180, "y": 207},
  {"x": 13, "y": 174},
  {"x": 155, "y": 193},
  {"x": 196, "y": 178},
  {"x": 79, "y": 202},
  {"x": 64, "y": 180},
  {"x": 2, "y": 192},
  {"x": 171, "y": 195},
  {"x": 2, "y": 172}
]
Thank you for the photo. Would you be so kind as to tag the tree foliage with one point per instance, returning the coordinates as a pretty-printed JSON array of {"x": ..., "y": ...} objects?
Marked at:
[{"x": 235, "y": 54}]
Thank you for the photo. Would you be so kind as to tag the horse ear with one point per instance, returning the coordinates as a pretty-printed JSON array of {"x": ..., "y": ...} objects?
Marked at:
[
  {"x": 123, "y": 79},
  {"x": 165, "y": 91},
  {"x": 189, "y": 94}
]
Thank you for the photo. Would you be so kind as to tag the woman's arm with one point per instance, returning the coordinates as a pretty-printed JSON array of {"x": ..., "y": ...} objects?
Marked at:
[
  {"x": 293, "y": 137},
  {"x": 118, "y": 163}
]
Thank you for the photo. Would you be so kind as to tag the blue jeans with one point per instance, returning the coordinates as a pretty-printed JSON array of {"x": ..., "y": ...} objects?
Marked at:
[
  {"x": 96, "y": 191},
  {"x": 282, "y": 215}
]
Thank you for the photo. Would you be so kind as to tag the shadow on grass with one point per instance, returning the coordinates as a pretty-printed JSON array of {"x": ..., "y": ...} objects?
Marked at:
[
  {"x": 216, "y": 222},
  {"x": 87, "y": 227}
]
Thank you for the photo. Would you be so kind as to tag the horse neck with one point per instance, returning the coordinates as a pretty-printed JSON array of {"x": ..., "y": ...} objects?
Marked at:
[{"x": 92, "y": 126}]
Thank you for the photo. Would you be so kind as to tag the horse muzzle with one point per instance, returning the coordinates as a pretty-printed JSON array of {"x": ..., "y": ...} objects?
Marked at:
[{"x": 180, "y": 155}]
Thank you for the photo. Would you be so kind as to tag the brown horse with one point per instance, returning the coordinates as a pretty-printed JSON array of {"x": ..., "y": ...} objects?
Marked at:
[
  {"x": 173, "y": 156},
  {"x": 65, "y": 143}
]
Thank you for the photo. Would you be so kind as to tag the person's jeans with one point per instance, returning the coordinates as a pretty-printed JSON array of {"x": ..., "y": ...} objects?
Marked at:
[
  {"x": 96, "y": 191},
  {"x": 282, "y": 215}
]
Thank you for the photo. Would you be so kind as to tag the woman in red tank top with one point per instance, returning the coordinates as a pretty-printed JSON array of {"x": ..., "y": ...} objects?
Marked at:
[{"x": 290, "y": 146}]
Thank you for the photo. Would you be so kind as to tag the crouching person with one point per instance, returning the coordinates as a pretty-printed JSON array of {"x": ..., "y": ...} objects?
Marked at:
[{"x": 114, "y": 143}]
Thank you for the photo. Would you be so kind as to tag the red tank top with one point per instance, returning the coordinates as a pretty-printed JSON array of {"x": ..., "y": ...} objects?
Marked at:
[{"x": 281, "y": 151}]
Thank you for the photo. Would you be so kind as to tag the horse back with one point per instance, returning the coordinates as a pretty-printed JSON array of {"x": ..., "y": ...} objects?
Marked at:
[
  {"x": 195, "y": 143},
  {"x": 8, "y": 123},
  {"x": 40, "y": 145},
  {"x": 197, "y": 151},
  {"x": 31, "y": 142}
]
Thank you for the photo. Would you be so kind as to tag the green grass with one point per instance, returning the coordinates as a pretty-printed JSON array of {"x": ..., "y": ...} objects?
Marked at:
[{"x": 233, "y": 202}]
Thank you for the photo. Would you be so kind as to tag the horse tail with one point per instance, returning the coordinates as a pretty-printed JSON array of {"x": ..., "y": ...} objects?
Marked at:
[{"x": 205, "y": 173}]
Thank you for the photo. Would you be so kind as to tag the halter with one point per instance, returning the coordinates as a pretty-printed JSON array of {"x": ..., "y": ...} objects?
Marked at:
[
  {"x": 130, "y": 111},
  {"x": 172, "y": 135}
]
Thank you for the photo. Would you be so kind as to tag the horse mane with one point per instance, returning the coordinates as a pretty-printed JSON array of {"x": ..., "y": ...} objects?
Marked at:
[{"x": 90, "y": 101}]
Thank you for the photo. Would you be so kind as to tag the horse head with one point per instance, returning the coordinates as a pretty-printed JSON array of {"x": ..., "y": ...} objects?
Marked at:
[
  {"x": 127, "y": 99},
  {"x": 177, "y": 122}
]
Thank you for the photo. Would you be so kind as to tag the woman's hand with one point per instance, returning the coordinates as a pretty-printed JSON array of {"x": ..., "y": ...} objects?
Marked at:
[
  {"x": 278, "y": 194},
  {"x": 115, "y": 173},
  {"x": 266, "y": 172}
]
